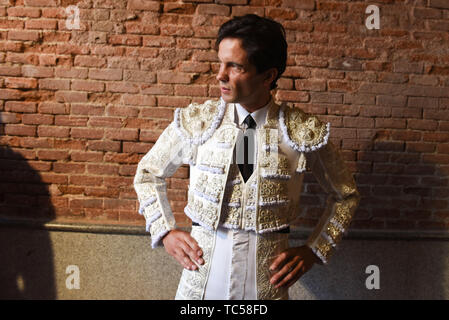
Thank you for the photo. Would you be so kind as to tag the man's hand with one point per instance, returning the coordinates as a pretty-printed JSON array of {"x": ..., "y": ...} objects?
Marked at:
[
  {"x": 183, "y": 248},
  {"x": 290, "y": 265}
]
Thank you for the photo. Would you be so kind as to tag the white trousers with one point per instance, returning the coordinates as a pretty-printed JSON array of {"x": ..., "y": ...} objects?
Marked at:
[
  {"x": 236, "y": 266},
  {"x": 232, "y": 272}
]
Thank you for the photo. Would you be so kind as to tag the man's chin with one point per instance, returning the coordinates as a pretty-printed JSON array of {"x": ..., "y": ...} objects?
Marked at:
[{"x": 228, "y": 98}]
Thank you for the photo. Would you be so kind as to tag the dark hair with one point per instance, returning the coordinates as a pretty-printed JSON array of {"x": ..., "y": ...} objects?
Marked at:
[{"x": 263, "y": 40}]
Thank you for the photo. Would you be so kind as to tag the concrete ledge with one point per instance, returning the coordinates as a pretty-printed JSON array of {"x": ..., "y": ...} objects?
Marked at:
[{"x": 296, "y": 232}]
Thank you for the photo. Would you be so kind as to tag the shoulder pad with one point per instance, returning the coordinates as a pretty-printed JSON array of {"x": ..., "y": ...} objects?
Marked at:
[
  {"x": 197, "y": 122},
  {"x": 303, "y": 132}
]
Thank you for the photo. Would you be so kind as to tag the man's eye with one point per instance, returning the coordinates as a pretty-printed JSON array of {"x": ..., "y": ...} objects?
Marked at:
[{"x": 237, "y": 67}]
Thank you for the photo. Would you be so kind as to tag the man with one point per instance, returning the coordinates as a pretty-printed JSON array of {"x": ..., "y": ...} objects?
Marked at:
[{"x": 247, "y": 157}]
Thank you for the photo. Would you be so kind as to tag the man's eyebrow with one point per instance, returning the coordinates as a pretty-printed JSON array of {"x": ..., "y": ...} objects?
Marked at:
[
  {"x": 232, "y": 62},
  {"x": 236, "y": 64}
]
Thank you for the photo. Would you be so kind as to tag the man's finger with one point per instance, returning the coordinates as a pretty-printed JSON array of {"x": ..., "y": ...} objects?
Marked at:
[
  {"x": 184, "y": 259},
  {"x": 193, "y": 258},
  {"x": 193, "y": 250},
  {"x": 193, "y": 244},
  {"x": 285, "y": 270},
  {"x": 294, "y": 273},
  {"x": 279, "y": 261}
]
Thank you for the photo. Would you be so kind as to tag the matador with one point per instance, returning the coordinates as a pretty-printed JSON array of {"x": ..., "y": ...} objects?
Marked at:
[{"x": 247, "y": 155}]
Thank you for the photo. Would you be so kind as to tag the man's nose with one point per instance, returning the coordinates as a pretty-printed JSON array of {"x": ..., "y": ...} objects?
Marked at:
[{"x": 222, "y": 75}]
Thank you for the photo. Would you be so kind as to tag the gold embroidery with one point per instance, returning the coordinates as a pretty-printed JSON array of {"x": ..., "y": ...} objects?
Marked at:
[
  {"x": 193, "y": 283},
  {"x": 198, "y": 117},
  {"x": 269, "y": 246},
  {"x": 324, "y": 248},
  {"x": 334, "y": 233},
  {"x": 208, "y": 188},
  {"x": 204, "y": 211},
  {"x": 344, "y": 212},
  {"x": 304, "y": 129},
  {"x": 225, "y": 136}
]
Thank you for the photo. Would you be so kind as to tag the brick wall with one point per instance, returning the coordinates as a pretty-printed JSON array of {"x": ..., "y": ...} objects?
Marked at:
[{"x": 80, "y": 107}]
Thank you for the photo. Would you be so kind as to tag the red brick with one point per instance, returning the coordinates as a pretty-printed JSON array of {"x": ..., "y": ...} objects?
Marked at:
[
  {"x": 24, "y": 12},
  {"x": 37, "y": 119},
  {"x": 20, "y": 130},
  {"x": 158, "y": 112},
  {"x": 10, "y": 70},
  {"x": 293, "y": 96},
  {"x": 37, "y": 72},
  {"x": 59, "y": 167},
  {"x": 85, "y": 180},
  {"x": 436, "y": 136},
  {"x": 406, "y": 135},
  {"x": 7, "y": 117},
  {"x": 86, "y": 133},
  {"x": 213, "y": 9},
  {"x": 71, "y": 121},
  {"x": 99, "y": 145},
  {"x": 23, "y": 35},
  {"x": 123, "y": 87},
  {"x": 135, "y": 147},
  {"x": 105, "y": 74},
  {"x": 86, "y": 85},
  {"x": 175, "y": 102},
  {"x": 422, "y": 124},
  {"x": 103, "y": 169},
  {"x": 139, "y": 76},
  {"x": 176, "y": 30},
  {"x": 391, "y": 123},
  {"x": 143, "y": 5},
  {"x": 89, "y": 61},
  {"x": 83, "y": 156},
  {"x": 51, "y": 131},
  {"x": 312, "y": 85},
  {"x": 70, "y": 96},
  {"x": 87, "y": 109},
  {"x": 191, "y": 90},
  {"x": 122, "y": 158},
  {"x": 243, "y": 10},
  {"x": 127, "y": 39},
  {"x": 54, "y": 84},
  {"x": 358, "y": 122},
  {"x": 122, "y": 134},
  {"x": 21, "y": 83},
  {"x": 174, "y": 77},
  {"x": 52, "y": 155},
  {"x": 10, "y": 94},
  {"x": 41, "y": 24}
]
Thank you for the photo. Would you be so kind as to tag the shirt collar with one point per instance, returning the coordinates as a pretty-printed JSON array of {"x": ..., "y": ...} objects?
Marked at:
[{"x": 259, "y": 116}]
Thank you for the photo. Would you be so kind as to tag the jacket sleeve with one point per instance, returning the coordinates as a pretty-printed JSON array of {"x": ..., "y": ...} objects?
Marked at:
[
  {"x": 329, "y": 169},
  {"x": 164, "y": 158}
]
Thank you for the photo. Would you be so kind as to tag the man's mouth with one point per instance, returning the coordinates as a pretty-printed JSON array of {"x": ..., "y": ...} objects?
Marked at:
[{"x": 225, "y": 90}]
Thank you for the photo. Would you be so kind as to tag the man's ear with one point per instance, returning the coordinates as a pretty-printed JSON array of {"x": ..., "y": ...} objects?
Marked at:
[{"x": 270, "y": 75}]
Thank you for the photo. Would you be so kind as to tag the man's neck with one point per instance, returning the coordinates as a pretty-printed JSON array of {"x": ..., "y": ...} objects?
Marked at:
[{"x": 254, "y": 107}]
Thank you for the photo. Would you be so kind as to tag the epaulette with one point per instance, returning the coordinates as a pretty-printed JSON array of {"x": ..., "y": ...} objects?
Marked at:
[
  {"x": 196, "y": 123},
  {"x": 302, "y": 132}
]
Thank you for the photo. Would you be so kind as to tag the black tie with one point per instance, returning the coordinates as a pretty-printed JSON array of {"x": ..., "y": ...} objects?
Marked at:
[{"x": 247, "y": 168}]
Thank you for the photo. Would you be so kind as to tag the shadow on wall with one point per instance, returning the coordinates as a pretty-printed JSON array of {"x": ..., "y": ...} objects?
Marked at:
[
  {"x": 26, "y": 268},
  {"x": 402, "y": 190}
]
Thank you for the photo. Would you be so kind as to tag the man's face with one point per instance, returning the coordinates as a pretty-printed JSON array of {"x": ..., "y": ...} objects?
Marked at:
[{"x": 238, "y": 78}]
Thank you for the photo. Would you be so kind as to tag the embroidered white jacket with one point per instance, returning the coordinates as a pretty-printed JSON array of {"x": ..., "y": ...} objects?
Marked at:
[{"x": 204, "y": 136}]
